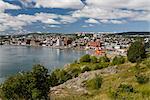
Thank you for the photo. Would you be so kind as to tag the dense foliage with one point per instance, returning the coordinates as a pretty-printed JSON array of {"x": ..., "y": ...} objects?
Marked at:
[
  {"x": 29, "y": 85},
  {"x": 136, "y": 52},
  {"x": 104, "y": 59},
  {"x": 125, "y": 88},
  {"x": 118, "y": 60},
  {"x": 93, "y": 59},
  {"x": 142, "y": 79},
  {"x": 59, "y": 76},
  {"x": 85, "y": 58},
  {"x": 85, "y": 68}
]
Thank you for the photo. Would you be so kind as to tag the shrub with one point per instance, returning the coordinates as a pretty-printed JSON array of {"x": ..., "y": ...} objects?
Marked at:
[
  {"x": 136, "y": 52},
  {"x": 93, "y": 59},
  {"x": 85, "y": 68},
  {"x": 141, "y": 79},
  {"x": 104, "y": 65},
  {"x": 118, "y": 60},
  {"x": 74, "y": 72},
  {"x": 123, "y": 92},
  {"x": 59, "y": 76},
  {"x": 104, "y": 59},
  {"x": 53, "y": 79},
  {"x": 125, "y": 88},
  {"x": 97, "y": 66},
  {"x": 28, "y": 85},
  {"x": 94, "y": 83},
  {"x": 85, "y": 58}
]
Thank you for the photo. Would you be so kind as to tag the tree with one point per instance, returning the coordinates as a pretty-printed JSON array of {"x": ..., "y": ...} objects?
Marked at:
[
  {"x": 136, "y": 52},
  {"x": 31, "y": 85},
  {"x": 40, "y": 76}
]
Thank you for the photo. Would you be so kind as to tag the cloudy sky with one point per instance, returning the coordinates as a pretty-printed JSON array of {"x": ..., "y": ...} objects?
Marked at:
[{"x": 21, "y": 16}]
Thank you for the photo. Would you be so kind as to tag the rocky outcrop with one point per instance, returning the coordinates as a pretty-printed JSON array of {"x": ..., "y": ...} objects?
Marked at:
[{"x": 77, "y": 85}]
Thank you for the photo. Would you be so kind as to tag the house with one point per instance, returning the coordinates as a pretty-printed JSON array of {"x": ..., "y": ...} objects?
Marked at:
[
  {"x": 67, "y": 41},
  {"x": 94, "y": 44},
  {"x": 35, "y": 42},
  {"x": 59, "y": 42}
]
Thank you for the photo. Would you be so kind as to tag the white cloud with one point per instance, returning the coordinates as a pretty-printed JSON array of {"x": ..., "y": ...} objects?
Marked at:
[
  {"x": 18, "y": 22},
  {"x": 54, "y": 26},
  {"x": 129, "y": 4},
  {"x": 117, "y": 21},
  {"x": 67, "y": 19},
  {"x": 113, "y": 11},
  {"x": 144, "y": 16},
  {"x": 100, "y": 13},
  {"x": 113, "y": 21},
  {"x": 91, "y": 20},
  {"x": 5, "y": 5},
  {"x": 96, "y": 11},
  {"x": 74, "y": 4},
  {"x": 50, "y": 21},
  {"x": 84, "y": 26}
]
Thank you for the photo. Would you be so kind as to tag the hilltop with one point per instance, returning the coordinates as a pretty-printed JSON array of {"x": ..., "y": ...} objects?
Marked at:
[
  {"x": 134, "y": 33},
  {"x": 113, "y": 77}
]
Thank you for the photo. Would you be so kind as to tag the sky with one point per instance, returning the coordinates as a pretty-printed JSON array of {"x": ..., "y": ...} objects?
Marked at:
[{"x": 26, "y": 16}]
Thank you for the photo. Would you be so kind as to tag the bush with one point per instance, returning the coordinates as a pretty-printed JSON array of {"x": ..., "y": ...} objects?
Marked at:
[
  {"x": 85, "y": 68},
  {"x": 125, "y": 88},
  {"x": 136, "y": 52},
  {"x": 123, "y": 92},
  {"x": 85, "y": 58},
  {"x": 141, "y": 79},
  {"x": 53, "y": 79},
  {"x": 104, "y": 65},
  {"x": 59, "y": 76},
  {"x": 74, "y": 72},
  {"x": 118, "y": 60},
  {"x": 28, "y": 85},
  {"x": 93, "y": 59},
  {"x": 104, "y": 59},
  {"x": 97, "y": 66},
  {"x": 94, "y": 83}
]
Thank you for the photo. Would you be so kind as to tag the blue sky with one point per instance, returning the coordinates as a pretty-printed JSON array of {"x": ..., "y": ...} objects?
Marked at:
[{"x": 23, "y": 16}]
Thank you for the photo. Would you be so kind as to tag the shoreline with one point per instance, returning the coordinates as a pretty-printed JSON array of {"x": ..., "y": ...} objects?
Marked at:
[{"x": 53, "y": 47}]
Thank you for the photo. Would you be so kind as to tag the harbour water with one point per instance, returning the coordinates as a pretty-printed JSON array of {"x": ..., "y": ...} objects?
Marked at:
[{"x": 14, "y": 59}]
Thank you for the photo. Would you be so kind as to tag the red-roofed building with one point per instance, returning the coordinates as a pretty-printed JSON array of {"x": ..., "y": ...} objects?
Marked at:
[{"x": 95, "y": 44}]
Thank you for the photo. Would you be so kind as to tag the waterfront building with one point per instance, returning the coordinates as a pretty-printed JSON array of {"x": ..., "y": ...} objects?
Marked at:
[{"x": 59, "y": 42}]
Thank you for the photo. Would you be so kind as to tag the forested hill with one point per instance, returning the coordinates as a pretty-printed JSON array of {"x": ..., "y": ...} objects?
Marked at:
[{"x": 134, "y": 33}]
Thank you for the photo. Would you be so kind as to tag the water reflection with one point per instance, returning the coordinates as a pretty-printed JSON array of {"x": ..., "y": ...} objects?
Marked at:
[{"x": 20, "y": 58}]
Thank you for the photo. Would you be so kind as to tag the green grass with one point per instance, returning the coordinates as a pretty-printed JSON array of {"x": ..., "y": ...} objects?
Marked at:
[{"x": 111, "y": 83}]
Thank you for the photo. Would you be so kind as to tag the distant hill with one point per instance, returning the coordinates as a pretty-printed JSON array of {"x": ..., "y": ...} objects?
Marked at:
[{"x": 134, "y": 33}]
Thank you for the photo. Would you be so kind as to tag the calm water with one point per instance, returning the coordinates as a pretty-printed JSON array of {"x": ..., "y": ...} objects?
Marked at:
[{"x": 20, "y": 58}]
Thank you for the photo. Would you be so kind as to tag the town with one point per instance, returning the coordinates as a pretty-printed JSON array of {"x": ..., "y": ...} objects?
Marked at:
[{"x": 95, "y": 43}]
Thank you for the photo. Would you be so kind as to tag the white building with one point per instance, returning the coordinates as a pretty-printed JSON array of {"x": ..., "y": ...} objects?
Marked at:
[{"x": 59, "y": 42}]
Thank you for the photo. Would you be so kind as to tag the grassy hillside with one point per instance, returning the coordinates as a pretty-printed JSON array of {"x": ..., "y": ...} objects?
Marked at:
[{"x": 129, "y": 82}]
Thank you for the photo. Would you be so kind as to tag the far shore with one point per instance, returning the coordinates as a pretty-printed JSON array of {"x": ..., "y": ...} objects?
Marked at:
[{"x": 55, "y": 47}]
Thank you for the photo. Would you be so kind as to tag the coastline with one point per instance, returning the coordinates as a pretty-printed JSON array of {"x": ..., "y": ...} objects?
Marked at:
[{"x": 54, "y": 47}]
